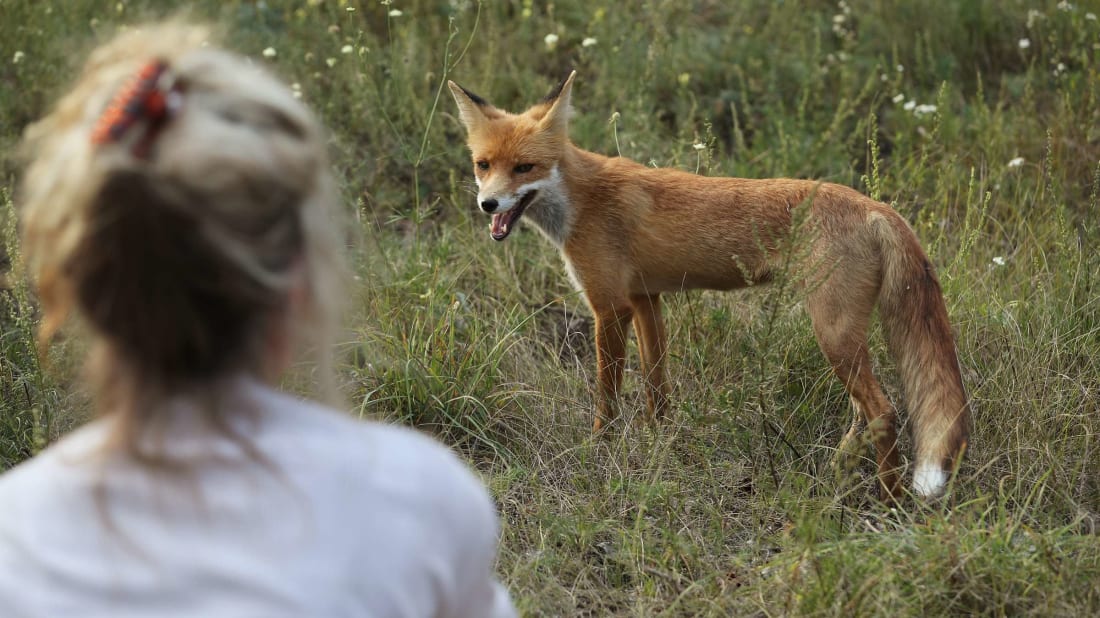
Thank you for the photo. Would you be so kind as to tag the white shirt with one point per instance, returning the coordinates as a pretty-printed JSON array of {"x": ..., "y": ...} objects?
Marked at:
[{"x": 336, "y": 518}]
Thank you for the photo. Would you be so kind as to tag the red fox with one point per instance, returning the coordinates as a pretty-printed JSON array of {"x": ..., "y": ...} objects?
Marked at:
[{"x": 629, "y": 233}]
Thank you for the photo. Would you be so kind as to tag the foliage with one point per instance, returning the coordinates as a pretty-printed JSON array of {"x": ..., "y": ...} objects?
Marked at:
[{"x": 978, "y": 120}]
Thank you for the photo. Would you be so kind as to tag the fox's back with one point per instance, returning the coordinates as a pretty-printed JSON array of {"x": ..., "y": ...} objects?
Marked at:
[{"x": 676, "y": 223}]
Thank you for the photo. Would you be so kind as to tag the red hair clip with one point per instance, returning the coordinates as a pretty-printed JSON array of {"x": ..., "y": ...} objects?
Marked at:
[{"x": 142, "y": 98}]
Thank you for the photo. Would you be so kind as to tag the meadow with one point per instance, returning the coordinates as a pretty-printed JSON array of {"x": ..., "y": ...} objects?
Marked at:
[{"x": 978, "y": 120}]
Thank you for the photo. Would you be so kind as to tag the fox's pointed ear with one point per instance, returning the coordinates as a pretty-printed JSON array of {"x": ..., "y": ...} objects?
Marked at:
[
  {"x": 557, "y": 117},
  {"x": 472, "y": 109}
]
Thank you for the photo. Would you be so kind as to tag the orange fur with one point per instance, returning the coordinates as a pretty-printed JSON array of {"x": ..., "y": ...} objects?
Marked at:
[{"x": 629, "y": 233}]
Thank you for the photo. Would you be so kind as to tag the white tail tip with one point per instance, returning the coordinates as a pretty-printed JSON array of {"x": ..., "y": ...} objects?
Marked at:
[{"x": 929, "y": 479}]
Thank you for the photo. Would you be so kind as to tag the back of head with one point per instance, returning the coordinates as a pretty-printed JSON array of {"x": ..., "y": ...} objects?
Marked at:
[{"x": 180, "y": 240}]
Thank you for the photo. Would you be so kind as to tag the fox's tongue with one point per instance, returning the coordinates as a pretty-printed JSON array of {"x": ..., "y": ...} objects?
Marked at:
[{"x": 497, "y": 227}]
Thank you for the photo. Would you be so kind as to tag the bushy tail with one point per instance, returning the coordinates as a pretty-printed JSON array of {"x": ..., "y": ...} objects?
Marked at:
[{"x": 918, "y": 332}]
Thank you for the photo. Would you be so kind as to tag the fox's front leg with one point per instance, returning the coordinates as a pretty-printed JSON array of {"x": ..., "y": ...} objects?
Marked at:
[
  {"x": 649, "y": 327},
  {"x": 612, "y": 326}
]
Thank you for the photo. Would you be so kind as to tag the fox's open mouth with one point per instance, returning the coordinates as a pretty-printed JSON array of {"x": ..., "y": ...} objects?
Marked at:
[{"x": 503, "y": 223}]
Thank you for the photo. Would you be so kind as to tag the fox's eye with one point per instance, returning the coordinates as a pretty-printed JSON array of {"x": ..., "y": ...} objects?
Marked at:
[
  {"x": 482, "y": 165},
  {"x": 523, "y": 168}
]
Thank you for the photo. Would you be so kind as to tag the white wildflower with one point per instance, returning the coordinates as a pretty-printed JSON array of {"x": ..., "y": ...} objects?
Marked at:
[
  {"x": 1065, "y": 6},
  {"x": 395, "y": 13},
  {"x": 839, "y": 19},
  {"x": 698, "y": 146},
  {"x": 999, "y": 261},
  {"x": 1090, "y": 16},
  {"x": 551, "y": 40},
  {"x": 331, "y": 62},
  {"x": 900, "y": 69},
  {"x": 1025, "y": 43},
  {"x": 270, "y": 52},
  {"x": 588, "y": 42},
  {"x": 899, "y": 98},
  {"x": 1017, "y": 162},
  {"x": 18, "y": 57},
  {"x": 347, "y": 49},
  {"x": 1033, "y": 16},
  {"x": 926, "y": 108},
  {"x": 909, "y": 105}
]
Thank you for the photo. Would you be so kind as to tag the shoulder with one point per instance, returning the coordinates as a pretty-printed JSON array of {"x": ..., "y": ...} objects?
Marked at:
[
  {"x": 61, "y": 459},
  {"x": 437, "y": 488},
  {"x": 39, "y": 492},
  {"x": 445, "y": 485},
  {"x": 396, "y": 460}
]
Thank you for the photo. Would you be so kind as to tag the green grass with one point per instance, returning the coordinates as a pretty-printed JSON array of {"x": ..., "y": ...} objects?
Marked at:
[{"x": 731, "y": 508}]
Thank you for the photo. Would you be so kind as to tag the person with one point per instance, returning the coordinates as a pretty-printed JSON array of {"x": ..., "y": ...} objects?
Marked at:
[{"x": 179, "y": 202}]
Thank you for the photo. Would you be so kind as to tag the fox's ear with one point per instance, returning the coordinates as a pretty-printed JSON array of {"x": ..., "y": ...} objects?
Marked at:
[
  {"x": 557, "y": 117},
  {"x": 472, "y": 109}
]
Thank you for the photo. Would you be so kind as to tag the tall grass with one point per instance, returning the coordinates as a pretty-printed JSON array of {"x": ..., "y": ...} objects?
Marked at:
[{"x": 988, "y": 145}]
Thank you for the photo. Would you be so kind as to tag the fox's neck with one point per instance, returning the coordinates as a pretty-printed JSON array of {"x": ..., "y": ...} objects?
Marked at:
[{"x": 555, "y": 212}]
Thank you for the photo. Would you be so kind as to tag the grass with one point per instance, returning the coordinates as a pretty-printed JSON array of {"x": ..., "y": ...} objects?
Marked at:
[{"x": 732, "y": 507}]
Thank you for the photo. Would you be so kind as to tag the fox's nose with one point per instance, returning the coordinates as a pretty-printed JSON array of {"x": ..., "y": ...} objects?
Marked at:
[{"x": 489, "y": 205}]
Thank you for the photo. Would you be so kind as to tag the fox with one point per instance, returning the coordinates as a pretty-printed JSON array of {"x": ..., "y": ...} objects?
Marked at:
[{"x": 628, "y": 233}]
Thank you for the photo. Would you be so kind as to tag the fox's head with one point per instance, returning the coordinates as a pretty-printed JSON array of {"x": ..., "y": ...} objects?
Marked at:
[{"x": 515, "y": 155}]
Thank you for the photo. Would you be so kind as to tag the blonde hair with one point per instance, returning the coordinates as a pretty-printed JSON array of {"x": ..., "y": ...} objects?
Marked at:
[{"x": 180, "y": 261}]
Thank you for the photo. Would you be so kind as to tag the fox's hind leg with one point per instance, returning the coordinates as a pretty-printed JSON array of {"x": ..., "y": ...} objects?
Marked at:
[
  {"x": 840, "y": 310},
  {"x": 649, "y": 326}
]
